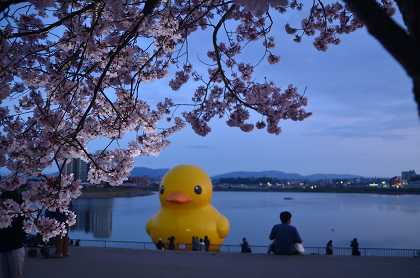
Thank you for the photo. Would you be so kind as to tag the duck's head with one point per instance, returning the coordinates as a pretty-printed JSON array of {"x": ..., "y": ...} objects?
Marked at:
[{"x": 185, "y": 186}]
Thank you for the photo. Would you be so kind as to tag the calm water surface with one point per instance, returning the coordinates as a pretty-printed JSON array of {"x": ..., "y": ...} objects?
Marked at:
[{"x": 376, "y": 220}]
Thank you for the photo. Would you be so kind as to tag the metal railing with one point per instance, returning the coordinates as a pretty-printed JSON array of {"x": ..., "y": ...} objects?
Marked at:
[
  {"x": 256, "y": 249},
  {"x": 383, "y": 252}
]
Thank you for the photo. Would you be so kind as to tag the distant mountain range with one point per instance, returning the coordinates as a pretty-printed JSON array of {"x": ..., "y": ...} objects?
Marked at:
[
  {"x": 284, "y": 176},
  {"x": 154, "y": 174},
  {"x": 157, "y": 174},
  {"x": 260, "y": 174}
]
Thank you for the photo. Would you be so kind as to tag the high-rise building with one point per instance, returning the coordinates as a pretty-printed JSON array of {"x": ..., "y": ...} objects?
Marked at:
[
  {"x": 410, "y": 179},
  {"x": 406, "y": 176},
  {"x": 78, "y": 168}
]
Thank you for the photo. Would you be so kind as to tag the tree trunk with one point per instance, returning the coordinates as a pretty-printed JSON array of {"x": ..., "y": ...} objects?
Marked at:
[
  {"x": 410, "y": 11},
  {"x": 416, "y": 91}
]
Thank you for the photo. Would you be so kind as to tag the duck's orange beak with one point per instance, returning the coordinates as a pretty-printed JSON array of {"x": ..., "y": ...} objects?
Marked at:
[{"x": 178, "y": 198}]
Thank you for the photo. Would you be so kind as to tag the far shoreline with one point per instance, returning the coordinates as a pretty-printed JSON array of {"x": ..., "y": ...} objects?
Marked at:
[
  {"x": 411, "y": 191},
  {"x": 114, "y": 192},
  {"x": 93, "y": 192}
]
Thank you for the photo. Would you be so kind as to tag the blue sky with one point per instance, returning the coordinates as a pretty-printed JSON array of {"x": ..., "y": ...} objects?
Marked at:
[{"x": 364, "y": 117}]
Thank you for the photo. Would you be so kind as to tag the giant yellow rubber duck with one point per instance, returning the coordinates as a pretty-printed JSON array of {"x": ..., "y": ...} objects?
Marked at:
[{"x": 186, "y": 210}]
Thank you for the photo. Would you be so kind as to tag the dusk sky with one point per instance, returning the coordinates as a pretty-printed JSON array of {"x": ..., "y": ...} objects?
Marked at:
[{"x": 364, "y": 117}]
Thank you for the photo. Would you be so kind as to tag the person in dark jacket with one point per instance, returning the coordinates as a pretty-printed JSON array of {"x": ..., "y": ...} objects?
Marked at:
[
  {"x": 12, "y": 252},
  {"x": 354, "y": 244},
  {"x": 160, "y": 245},
  {"x": 285, "y": 236},
  {"x": 329, "y": 248},
  {"x": 245, "y": 246},
  {"x": 206, "y": 243},
  {"x": 171, "y": 244},
  {"x": 195, "y": 244}
]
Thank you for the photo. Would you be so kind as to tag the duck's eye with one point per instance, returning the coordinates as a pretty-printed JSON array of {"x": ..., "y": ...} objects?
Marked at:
[
  {"x": 162, "y": 190},
  {"x": 197, "y": 189}
]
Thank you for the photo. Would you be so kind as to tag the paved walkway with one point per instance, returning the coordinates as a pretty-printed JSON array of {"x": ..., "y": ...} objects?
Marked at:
[{"x": 121, "y": 263}]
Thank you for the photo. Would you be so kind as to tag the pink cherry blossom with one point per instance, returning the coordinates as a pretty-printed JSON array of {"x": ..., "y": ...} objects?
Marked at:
[
  {"x": 73, "y": 72},
  {"x": 273, "y": 59}
]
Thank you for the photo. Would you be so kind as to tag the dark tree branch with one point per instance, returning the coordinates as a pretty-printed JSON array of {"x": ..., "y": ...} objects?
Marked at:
[
  {"x": 53, "y": 25},
  {"x": 126, "y": 37},
  {"x": 6, "y": 4},
  {"x": 410, "y": 11},
  {"x": 219, "y": 62}
]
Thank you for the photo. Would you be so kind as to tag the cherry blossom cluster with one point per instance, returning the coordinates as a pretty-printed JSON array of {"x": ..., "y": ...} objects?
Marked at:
[
  {"x": 181, "y": 77},
  {"x": 37, "y": 196},
  {"x": 258, "y": 8},
  {"x": 327, "y": 21},
  {"x": 73, "y": 72},
  {"x": 50, "y": 228},
  {"x": 9, "y": 208},
  {"x": 231, "y": 90}
]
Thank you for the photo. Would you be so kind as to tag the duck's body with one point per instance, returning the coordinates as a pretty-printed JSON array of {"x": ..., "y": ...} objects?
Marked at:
[
  {"x": 186, "y": 212},
  {"x": 186, "y": 223}
]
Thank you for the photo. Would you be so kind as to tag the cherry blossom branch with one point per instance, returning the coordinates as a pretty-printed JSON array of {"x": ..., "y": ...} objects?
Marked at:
[
  {"x": 218, "y": 57},
  {"x": 6, "y": 4},
  {"x": 52, "y": 25},
  {"x": 126, "y": 37},
  {"x": 410, "y": 11},
  {"x": 83, "y": 83}
]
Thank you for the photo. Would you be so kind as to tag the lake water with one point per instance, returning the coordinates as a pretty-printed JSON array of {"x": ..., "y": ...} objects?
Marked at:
[{"x": 376, "y": 220}]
